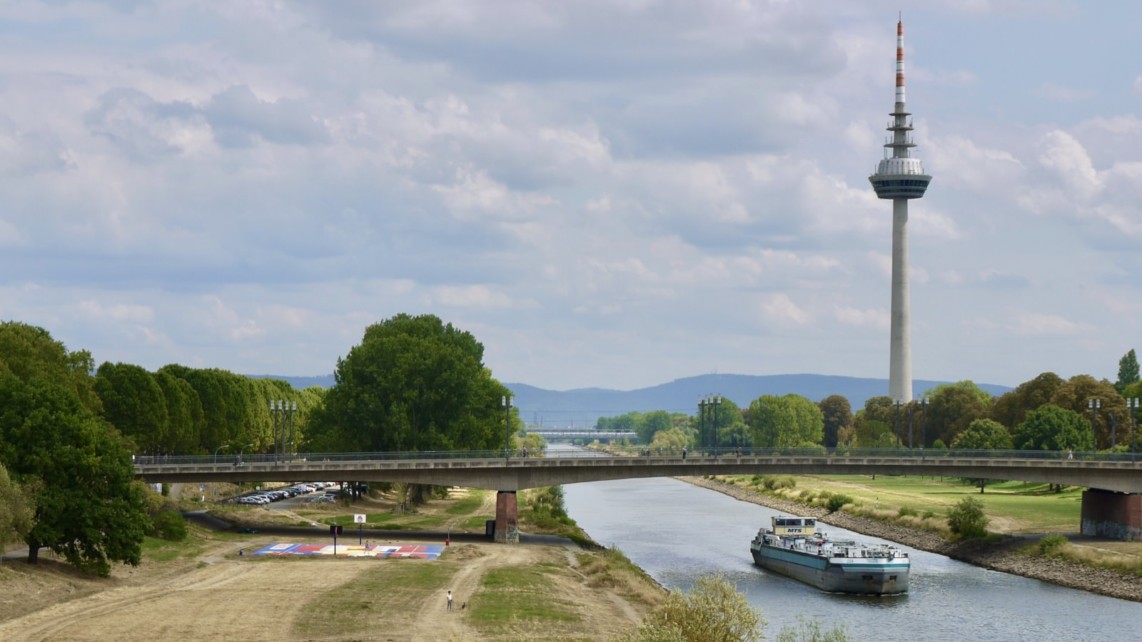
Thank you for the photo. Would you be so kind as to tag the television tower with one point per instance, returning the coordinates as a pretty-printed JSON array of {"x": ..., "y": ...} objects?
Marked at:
[{"x": 900, "y": 177}]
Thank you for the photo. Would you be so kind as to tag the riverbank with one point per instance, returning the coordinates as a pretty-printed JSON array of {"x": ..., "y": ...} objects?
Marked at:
[
  {"x": 209, "y": 587},
  {"x": 1002, "y": 555}
]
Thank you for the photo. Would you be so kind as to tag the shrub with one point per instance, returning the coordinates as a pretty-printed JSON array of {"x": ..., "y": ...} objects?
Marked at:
[
  {"x": 169, "y": 525},
  {"x": 1052, "y": 544},
  {"x": 775, "y": 483},
  {"x": 908, "y": 512},
  {"x": 967, "y": 520},
  {"x": 837, "y": 501}
]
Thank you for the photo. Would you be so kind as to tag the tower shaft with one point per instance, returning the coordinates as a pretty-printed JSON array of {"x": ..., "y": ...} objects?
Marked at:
[{"x": 900, "y": 346}]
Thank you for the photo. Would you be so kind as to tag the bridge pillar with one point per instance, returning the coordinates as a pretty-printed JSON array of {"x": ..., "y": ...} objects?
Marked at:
[
  {"x": 1113, "y": 515},
  {"x": 507, "y": 517}
]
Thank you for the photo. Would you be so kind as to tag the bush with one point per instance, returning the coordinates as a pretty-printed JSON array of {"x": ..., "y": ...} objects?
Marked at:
[
  {"x": 169, "y": 525},
  {"x": 967, "y": 520},
  {"x": 908, "y": 512},
  {"x": 775, "y": 483},
  {"x": 1052, "y": 544},
  {"x": 837, "y": 501}
]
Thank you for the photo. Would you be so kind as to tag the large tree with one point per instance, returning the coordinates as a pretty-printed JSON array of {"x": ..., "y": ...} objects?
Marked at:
[
  {"x": 1081, "y": 392},
  {"x": 838, "y": 416},
  {"x": 1011, "y": 408},
  {"x": 784, "y": 422},
  {"x": 984, "y": 434},
  {"x": 952, "y": 409},
  {"x": 413, "y": 384},
  {"x": 134, "y": 403},
  {"x": 88, "y": 507},
  {"x": 1127, "y": 371},
  {"x": 1053, "y": 428}
]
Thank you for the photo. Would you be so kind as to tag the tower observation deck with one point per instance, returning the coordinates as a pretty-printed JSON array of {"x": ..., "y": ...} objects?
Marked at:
[{"x": 900, "y": 177}]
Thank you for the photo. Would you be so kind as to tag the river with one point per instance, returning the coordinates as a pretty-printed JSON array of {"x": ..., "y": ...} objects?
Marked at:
[{"x": 678, "y": 532}]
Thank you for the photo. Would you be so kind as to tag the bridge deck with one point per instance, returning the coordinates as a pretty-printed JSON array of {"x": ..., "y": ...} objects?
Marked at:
[{"x": 513, "y": 473}]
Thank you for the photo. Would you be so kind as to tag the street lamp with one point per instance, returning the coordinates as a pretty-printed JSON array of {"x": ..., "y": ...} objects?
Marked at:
[
  {"x": 1094, "y": 404},
  {"x": 506, "y": 400},
  {"x": 924, "y": 422},
  {"x": 242, "y": 450},
  {"x": 216, "y": 451},
  {"x": 281, "y": 413},
  {"x": 1131, "y": 408},
  {"x": 896, "y": 423},
  {"x": 714, "y": 426},
  {"x": 702, "y": 441}
]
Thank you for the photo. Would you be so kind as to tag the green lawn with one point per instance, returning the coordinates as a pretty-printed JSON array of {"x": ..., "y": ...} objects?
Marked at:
[{"x": 1017, "y": 507}]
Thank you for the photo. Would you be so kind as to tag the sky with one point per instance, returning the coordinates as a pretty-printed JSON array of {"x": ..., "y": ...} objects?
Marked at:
[{"x": 605, "y": 193}]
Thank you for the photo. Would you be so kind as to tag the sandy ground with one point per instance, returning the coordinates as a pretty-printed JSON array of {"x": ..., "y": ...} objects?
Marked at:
[{"x": 218, "y": 595}]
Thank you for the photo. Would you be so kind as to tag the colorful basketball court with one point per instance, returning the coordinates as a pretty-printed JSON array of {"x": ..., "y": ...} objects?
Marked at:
[{"x": 413, "y": 551}]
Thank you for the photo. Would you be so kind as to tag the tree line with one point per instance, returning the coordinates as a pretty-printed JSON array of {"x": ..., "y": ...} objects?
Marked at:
[
  {"x": 1045, "y": 413},
  {"x": 69, "y": 431}
]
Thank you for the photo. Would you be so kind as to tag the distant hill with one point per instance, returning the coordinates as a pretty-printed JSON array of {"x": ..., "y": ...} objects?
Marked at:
[{"x": 582, "y": 407}]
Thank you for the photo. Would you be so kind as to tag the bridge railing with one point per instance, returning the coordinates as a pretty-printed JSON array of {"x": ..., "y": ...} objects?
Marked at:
[{"x": 632, "y": 451}]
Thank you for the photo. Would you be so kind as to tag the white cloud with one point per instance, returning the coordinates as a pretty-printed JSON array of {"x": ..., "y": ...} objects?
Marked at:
[
  {"x": 1051, "y": 325},
  {"x": 779, "y": 308},
  {"x": 248, "y": 185}
]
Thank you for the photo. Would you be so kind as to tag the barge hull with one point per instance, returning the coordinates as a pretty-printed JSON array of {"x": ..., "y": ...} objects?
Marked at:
[{"x": 882, "y": 579}]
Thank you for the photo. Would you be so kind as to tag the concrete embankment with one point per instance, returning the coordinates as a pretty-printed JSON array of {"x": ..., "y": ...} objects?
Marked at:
[{"x": 1000, "y": 556}]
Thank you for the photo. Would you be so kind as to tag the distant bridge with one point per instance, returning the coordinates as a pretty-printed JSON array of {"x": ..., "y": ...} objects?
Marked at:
[{"x": 553, "y": 434}]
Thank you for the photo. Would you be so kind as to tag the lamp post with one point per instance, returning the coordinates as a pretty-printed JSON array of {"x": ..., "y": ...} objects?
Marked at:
[
  {"x": 292, "y": 410},
  {"x": 1094, "y": 405},
  {"x": 911, "y": 408},
  {"x": 242, "y": 450},
  {"x": 716, "y": 401},
  {"x": 702, "y": 424},
  {"x": 275, "y": 415},
  {"x": 896, "y": 423},
  {"x": 216, "y": 451},
  {"x": 924, "y": 423},
  {"x": 1131, "y": 408},
  {"x": 506, "y": 400}
]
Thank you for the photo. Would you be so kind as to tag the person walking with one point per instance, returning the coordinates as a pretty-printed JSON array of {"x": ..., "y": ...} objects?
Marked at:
[{"x": 450, "y": 601}]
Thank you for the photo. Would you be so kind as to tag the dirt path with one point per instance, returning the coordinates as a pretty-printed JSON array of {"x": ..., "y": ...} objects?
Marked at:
[{"x": 433, "y": 622}]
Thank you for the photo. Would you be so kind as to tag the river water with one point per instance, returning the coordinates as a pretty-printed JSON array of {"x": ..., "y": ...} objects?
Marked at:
[{"x": 678, "y": 532}]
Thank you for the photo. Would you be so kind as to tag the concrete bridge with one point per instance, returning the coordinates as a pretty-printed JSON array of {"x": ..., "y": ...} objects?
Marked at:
[
  {"x": 553, "y": 434},
  {"x": 1112, "y": 507}
]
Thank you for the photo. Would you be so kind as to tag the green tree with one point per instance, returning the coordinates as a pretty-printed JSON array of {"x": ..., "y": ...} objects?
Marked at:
[
  {"x": 1127, "y": 371},
  {"x": 651, "y": 423},
  {"x": 134, "y": 403},
  {"x": 1077, "y": 394},
  {"x": 952, "y": 409},
  {"x": 672, "y": 440},
  {"x": 29, "y": 352},
  {"x": 967, "y": 520},
  {"x": 838, "y": 416},
  {"x": 413, "y": 384},
  {"x": 184, "y": 414},
  {"x": 711, "y": 611},
  {"x": 49, "y": 439},
  {"x": 1011, "y": 408},
  {"x": 790, "y": 421},
  {"x": 1053, "y": 428},
  {"x": 984, "y": 434},
  {"x": 17, "y": 509}
]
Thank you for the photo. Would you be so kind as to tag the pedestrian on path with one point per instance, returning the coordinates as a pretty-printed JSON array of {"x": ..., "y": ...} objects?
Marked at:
[{"x": 449, "y": 601}]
